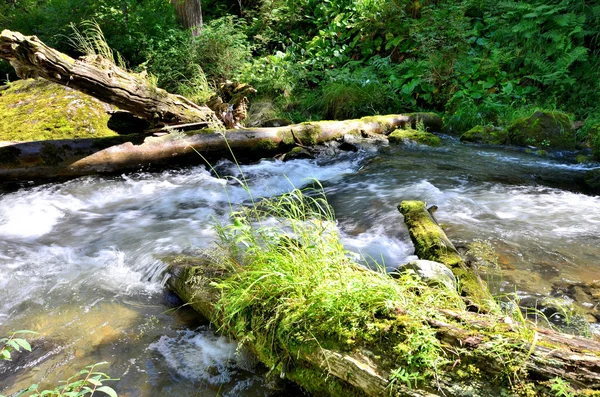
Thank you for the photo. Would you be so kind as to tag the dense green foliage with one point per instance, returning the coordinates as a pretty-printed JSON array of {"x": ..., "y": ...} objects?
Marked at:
[{"x": 478, "y": 62}]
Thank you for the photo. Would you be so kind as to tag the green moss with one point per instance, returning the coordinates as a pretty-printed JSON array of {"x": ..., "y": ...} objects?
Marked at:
[
  {"x": 543, "y": 128},
  {"x": 421, "y": 137},
  {"x": 318, "y": 383},
  {"x": 35, "y": 110},
  {"x": 487, "y": 135},
  {"x": 266, "y": 146},
  {"x": 431, "y": 243}
]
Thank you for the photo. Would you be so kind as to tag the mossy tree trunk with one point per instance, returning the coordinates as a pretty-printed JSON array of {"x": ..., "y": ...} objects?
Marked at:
[
  {"x": 431, "y": 243},
  {"x": 101, "y": 79},
  {"x": 492, "y": 355}
]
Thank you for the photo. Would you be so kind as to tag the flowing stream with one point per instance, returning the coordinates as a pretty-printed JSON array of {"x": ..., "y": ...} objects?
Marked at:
[{"x": 79, "y": 260}]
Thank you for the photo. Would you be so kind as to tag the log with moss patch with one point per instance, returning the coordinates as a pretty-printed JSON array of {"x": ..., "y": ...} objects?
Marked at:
[
  {"x": 32, "y": 160},
  {"x": 311, "y": 315},
  {"x": 101, "y": 79},
  {"x": 431, "y": 243}
]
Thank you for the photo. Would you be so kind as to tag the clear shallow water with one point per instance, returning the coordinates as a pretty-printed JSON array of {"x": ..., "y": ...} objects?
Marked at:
[{"x": 78, "y": 260}]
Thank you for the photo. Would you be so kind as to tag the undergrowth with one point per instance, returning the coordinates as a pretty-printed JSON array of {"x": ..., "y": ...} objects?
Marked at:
[{"x": 298, "y": 289}]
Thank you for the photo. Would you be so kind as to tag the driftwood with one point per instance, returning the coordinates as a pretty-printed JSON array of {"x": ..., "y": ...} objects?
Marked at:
[
  {"x": 528, "y": 355},
  {"x": 72, "y": 158},
  {"x": 101, "y": 79}
]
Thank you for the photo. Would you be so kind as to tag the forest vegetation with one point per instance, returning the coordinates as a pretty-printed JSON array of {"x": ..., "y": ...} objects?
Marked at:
[{"x": 476, "y": 62}]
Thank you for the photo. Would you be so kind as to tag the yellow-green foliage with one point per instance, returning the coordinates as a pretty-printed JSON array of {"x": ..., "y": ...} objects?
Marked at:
[
  {"x": 422, "y": 137},
  {"x": 297, "y": 290},
  {"x": 34, "y": 110}
]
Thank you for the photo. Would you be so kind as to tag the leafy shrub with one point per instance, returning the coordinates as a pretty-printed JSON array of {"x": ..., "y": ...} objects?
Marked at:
[{"x": 222, "y": 49}]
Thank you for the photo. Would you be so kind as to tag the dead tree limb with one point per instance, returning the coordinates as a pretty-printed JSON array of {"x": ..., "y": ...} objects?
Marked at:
[{"x": 101, "y": 79}]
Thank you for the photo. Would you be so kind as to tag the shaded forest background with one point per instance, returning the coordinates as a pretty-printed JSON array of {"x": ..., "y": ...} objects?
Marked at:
[{"x": 476, "y": 62}]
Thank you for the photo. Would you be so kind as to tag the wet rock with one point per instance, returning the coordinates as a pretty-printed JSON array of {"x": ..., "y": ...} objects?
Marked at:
[
  {"x": 560, "y": 313},
  {"x": 433, "y": 273},
  {"x": 591, "y": 179},
  {"x": 587, "y": 295},
  {"x": 547, "y": 129},
  {"x": 298, "y": 153},
  {"x": 409, "y": 135},
  {"x": 487, "y": 135},
  {"x": 123, "y": 122}
]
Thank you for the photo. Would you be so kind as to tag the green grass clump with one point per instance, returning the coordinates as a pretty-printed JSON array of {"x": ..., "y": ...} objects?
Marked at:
[{"x": 295, "y": 289}]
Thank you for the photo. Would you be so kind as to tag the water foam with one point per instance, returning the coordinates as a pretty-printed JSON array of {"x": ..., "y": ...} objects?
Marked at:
[{"x": 199, "y": 355}]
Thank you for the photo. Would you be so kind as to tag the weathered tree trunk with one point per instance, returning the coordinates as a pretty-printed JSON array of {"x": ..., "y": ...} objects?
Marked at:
[
  {"x": 100, "y": 79},
  {"x": 72, "y": 158},
  {"x": 189, "y": 13},
  {"x": 431, "y": 243},
  {"x": 472, "y": 340}
]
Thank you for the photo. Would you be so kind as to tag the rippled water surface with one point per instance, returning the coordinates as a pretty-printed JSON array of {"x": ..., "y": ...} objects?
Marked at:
[{"x": 79, "y": 261}]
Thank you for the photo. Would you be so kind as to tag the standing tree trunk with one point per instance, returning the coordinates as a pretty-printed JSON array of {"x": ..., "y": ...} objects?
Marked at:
[{"x": 189, "y": 13}]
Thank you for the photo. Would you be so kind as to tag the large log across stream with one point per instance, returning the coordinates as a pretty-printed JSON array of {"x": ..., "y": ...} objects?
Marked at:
[
  {"x": 72, "y": 158},
  {"x": 486, "y": 354}
]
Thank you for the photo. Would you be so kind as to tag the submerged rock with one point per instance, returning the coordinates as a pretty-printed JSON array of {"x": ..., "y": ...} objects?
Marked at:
[
  {"x": 543, "y": 128},
  {"x": 561, "y": 313},
  {"x": 35, "y": 110},
  {"x": 488, "y": 135},
  {"x": 591, "y": 180},
  {"x": 410, "y": 135},
  {"x": 433, "y": 273}
]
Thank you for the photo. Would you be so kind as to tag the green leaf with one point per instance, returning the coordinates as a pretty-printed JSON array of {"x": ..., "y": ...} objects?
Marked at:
[
  {"x": 5, "y": 355},
  {"x": 24, "y": 344},
  {"x": 108, "y": 390},
  {"x": 95, "y": 382}
]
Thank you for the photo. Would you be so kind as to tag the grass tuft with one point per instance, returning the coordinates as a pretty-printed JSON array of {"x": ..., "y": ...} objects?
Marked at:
[{"x": 295, "y": 287}]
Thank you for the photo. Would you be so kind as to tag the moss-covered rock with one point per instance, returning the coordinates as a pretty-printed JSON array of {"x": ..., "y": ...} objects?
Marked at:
[
  {"x": 421, "y": 137},
  {"x": 546, "y": 129},
  {"x": 35, "y": 110},
  {"x": 488, "y": 135}
]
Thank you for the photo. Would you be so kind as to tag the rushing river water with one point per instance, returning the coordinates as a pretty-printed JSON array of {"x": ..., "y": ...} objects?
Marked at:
[{"x": 79, "y": 261}]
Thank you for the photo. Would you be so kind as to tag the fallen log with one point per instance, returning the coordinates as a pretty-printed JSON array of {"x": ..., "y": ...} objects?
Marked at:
[
  {"x": 101, "y": 79},
  {"x": 408, "y": 348},
  {"x": 431, "y": 243},
  {"x": 65, "y": 158}
]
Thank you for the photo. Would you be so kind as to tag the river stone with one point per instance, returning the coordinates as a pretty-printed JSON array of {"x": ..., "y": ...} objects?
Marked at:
[
  {"x": 488, "y": 135},
  {"x": 547, "y": 129},
  {"x": 561, "y": 313},
  {"x": 592, "y": 180},
  {"x": 433, "y": 273},
  {"x": 409, "y": 135}
]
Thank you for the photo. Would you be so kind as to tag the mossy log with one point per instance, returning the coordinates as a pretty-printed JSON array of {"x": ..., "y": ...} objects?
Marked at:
[
  {"x": 492, "y": 356},
  {"x": 64, "y": 158},
  {"x": 431, "y": 243},
  {"x": 101, "y": 79}
]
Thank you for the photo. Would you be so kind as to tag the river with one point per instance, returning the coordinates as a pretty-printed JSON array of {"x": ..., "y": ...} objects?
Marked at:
[{"x": 80, "y": 260}]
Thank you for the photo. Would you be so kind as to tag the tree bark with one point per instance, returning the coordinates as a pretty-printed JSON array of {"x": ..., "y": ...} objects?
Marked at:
[
  {"x": 189, "y": 13},
  {"x": 102, "y": 80},
  {"x": 431, "y": 243},
  {"x": 72, "y": 158}
]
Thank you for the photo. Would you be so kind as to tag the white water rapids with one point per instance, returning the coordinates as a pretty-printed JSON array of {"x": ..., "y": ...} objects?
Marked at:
[{"x": 79, "y": 260}]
